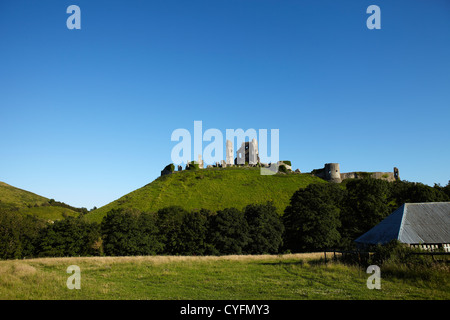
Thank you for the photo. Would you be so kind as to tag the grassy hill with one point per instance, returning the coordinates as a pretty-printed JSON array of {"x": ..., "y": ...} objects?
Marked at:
[
  {"x": 25, "y": 202},
  {"x": 214, "y": 189},
  {"x": 19, "y": 197}
]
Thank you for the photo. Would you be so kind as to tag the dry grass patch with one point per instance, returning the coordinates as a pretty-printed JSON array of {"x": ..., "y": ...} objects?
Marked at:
[
  {"x": 23, "y": 269},
  {"x": 171, "y": 259}
]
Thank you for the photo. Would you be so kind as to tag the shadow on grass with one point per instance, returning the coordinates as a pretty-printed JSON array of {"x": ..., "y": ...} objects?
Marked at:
[
  {"x": 312, "y": 262},
  {"x": 305, "y": 270},
  {"x": 283, "y": 263}
]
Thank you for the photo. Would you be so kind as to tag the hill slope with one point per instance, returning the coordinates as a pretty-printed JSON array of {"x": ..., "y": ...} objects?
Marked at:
[
  {"x": 214, "y": 189},
  {"x": 25, "y": 202},
  {"x": 19, "y": 197}
]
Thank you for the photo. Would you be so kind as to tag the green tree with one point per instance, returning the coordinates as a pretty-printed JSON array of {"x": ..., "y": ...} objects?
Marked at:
[
  {"x": 18, "y": 233},
  {"x": 228, "y": 232},
  {"x": 148, "y": 242},
  {"x": 69, "y": 237},
  {"x": 193, "y": 232},
  {"x": 446, "y": 190},
  {"x": 130, "y": 232},
  {"x": 311, "y": 220},
  {"x": 265, "y": 229},
  {"x": 10, "y": 238},
  {"x": 367, "y": 202},
  {"x": 411, "y": 192},
  {"x": 170, "y": 225}
]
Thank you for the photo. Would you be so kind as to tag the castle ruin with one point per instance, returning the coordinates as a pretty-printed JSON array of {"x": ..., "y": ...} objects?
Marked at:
[
  {"x": 248, "y": 155},
  {"x": 332, "y": 173}
]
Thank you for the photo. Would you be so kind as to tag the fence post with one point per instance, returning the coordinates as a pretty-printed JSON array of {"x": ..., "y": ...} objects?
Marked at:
[{"x": 359, "y": 263}]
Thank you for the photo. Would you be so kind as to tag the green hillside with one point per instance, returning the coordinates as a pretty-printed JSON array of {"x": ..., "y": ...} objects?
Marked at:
[
  {"x": 19, "y": 197},
  {"x": 214, "y": 189},
  {"x": 25, "y": 202}
]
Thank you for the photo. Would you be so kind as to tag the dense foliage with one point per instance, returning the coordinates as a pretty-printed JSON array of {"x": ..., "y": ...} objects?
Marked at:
[
  {"x": 127, "y": 233},
  {"x": 228, "y": 232},
  {"x": 320, "y": 216},
  {"x": 69, "y": 237},
  {"x": 18, "y": 234},
  {"x": 333, "y": 215},
  {"x": 312, "y": 218},
  {"x": 266, "y": 229},
  {"x": 54, "y": 203}
]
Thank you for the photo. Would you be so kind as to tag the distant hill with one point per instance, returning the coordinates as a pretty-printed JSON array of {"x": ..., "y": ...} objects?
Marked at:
[
  {"x": 25, "y": 202},
  {"x": 213, "y": 188}
]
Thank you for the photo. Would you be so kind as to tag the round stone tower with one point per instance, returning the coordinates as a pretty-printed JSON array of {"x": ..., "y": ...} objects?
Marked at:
[{"x": 332, "y": 172}]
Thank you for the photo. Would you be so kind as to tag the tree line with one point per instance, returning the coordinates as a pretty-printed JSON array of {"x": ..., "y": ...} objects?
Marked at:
[
  {"x": 53, "y": 203},
  {"x": 320, "y": 216}
]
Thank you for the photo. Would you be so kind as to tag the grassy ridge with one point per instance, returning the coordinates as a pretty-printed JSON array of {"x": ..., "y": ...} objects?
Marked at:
[
  {"x": 214, "y": 189},
  {"x": 25, "y": 202},
  {"x": 19, "y": 197},
  {"x": 286, "y": 277}
]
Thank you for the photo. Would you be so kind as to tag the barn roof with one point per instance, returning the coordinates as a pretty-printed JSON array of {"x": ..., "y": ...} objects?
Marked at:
[{"x": 413, "y": 223}]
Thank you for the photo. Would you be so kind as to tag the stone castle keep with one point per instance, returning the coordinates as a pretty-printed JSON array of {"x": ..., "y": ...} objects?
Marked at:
[{"x": 248, "y": 155}]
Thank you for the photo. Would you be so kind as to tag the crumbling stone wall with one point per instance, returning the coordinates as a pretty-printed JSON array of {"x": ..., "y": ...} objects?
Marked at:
[{"x": 331, "y": 172}]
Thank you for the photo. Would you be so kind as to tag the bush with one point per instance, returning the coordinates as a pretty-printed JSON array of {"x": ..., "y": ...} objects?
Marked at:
[
  {"x": 169, "y": 167},
  {"x": 396, "y": 253},
  {"x": 282, "y": 168},
  {"x": 400, "y": 261},
  {"x": 193, "y": 166}
]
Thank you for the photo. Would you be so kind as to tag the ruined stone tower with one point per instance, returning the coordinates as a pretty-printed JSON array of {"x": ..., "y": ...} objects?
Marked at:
[
  {"x": 229, "y": 153},
  {"x": 247, "y": 153},
  {"x": 396, "y": 174},
  {"x": 332, "y": 172}
]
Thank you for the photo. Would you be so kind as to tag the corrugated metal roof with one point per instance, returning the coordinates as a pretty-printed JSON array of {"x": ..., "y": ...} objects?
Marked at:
[
  {"x": 385, "y": 231},
  {"x": 413, "y": 223},
  {"x": 426, "y": 223}
]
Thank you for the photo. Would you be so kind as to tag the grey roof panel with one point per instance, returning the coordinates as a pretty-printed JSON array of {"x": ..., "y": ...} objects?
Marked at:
[
  {"x": 413, "y": 223},
  {"x": 426, "y": 223},
  {"x": 385, "y": 231}
]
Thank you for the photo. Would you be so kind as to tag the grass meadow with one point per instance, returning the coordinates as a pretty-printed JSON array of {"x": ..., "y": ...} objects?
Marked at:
[{"x": 262, "y": 277}]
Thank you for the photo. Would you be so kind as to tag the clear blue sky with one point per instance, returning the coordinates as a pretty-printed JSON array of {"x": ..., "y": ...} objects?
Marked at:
[{"x": 86, "y": 115}]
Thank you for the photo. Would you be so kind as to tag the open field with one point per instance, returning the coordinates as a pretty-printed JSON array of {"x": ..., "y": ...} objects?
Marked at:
[{"x": 264, "y": 277}]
